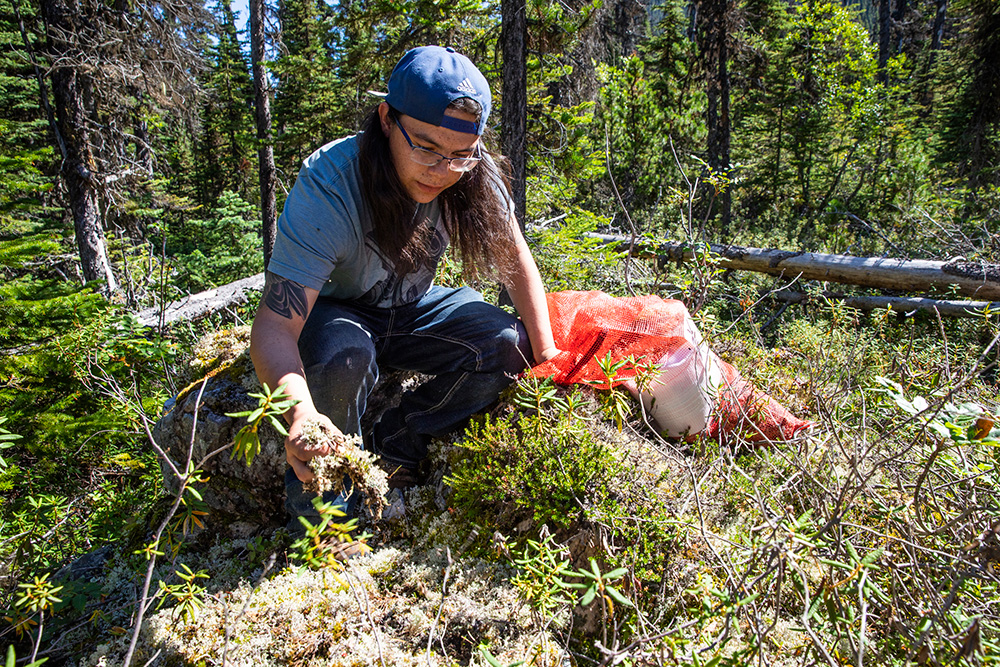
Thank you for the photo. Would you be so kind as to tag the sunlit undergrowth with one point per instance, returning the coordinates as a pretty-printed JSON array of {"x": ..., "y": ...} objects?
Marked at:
[
  {"x": 869, "y": 540},
  {"x": 873, "y": 538},
  {"x": 76, "y": 378}
]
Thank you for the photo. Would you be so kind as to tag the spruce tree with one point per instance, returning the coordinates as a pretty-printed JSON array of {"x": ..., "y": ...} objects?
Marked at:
[
  {"x": 26, "y": 153},
  {"x": 306, "y": 101},
  {"x": 225, "y": 150},
  {"x": 968, "y": 84}
]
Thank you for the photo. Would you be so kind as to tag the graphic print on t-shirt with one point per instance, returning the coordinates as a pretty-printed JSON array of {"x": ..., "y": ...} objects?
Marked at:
[{"x": 393, "y": 289}]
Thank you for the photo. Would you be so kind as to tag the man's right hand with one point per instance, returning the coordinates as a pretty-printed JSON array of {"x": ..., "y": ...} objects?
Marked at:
[{"x": 298, "y": 451}]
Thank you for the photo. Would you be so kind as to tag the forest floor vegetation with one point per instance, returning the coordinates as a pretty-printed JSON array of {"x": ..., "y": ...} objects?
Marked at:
[{"x": 557, "y": 528}]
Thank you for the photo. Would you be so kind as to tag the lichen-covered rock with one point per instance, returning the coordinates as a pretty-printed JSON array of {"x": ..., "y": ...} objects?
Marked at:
[{"x": 239, "y": 498}]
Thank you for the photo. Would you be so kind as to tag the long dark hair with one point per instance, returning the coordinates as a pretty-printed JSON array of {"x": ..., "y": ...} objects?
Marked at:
[{"x": 474, "y": 211}]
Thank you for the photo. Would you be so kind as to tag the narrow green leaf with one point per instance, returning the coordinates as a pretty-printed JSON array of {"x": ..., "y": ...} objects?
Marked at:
[
  {"x": 278, "y": 426},
  {"x": 588, "y": 597},
  {"x": 837, "y": 564},
  {"x": 618, "y": 597},
  {"x": 873, "y": 556},
  {"x": 616, "y": 574},
  {"x": 813, "y": 607},
  {"x": 489, "y": 656}
]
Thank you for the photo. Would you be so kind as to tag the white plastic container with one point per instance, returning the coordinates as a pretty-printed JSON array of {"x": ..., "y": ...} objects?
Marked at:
[{"x": 682, "y": 398}]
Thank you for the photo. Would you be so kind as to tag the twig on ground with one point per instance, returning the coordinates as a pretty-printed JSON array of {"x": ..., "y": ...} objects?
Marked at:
[
  {"x": 368, "y": 613},
  {"x": 444, "y": 595}
]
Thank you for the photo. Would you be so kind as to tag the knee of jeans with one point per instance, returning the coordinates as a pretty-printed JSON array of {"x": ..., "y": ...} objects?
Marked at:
[
  {"x": 514, "y": 348},
  {"x": 346, "y": 350},
  {"x": 351, "y": 365}
]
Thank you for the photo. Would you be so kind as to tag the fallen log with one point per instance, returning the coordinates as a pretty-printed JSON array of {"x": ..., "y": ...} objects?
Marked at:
[
  {"x": 911, "y": 275},
  {"x": 898, "y": 304},
  {"x": 203, "y": 304}
]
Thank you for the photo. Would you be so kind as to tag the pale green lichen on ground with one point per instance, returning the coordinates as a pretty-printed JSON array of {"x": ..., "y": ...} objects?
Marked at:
[
  {"x": 346, "y": 459},
  {"x": 390, "y": 601}
]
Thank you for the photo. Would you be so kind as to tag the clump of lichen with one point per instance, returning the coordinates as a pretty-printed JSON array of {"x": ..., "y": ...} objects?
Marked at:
[
  {"x": 347, "y": 458},
  {"x": 380, "y": 610}
]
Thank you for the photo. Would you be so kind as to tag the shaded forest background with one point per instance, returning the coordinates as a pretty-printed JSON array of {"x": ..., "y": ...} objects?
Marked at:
[{"x": 129, "y": 174}]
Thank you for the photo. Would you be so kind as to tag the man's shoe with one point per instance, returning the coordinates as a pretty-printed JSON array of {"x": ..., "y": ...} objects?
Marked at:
[{"x": 400, "y": 477}]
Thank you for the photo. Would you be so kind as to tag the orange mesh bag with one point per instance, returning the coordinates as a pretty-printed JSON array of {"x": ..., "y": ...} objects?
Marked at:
[{"x": 588, "y": 326}]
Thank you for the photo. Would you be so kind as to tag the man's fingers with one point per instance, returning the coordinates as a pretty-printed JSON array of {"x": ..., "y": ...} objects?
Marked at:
[
  {"x": 316, "y": 450},
  {"x": 300, "y": 468}
]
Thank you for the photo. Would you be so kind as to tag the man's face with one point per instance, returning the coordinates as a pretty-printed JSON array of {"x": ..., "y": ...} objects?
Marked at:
[{"x": 423, "y": 183}]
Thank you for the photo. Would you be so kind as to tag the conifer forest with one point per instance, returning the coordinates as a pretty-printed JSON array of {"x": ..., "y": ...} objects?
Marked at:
[{"x": 818, "y": 181}]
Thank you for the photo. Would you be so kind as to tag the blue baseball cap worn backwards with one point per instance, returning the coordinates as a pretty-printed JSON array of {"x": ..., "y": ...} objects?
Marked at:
[{"x": 429, "y": 78}]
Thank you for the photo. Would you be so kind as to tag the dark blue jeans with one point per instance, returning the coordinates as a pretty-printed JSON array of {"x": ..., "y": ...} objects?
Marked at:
[{"x": 473, "y": 349}]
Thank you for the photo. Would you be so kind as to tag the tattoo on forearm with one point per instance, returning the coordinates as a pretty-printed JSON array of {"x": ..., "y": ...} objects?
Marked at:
[{"x": 284, "y": 297}]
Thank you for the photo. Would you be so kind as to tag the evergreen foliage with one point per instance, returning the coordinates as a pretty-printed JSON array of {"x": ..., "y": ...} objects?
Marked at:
[
  {"x": 830, "y": 152},
  {"x": 26, "y": 150},
  {"x": 226, "y": 155},
  {"x": 969, "y": 109},
  {"x": 306, "y": 102},
  {"x": 221, "y": 248}
]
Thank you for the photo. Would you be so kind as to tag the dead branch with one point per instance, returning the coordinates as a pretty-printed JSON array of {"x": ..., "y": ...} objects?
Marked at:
[{"x": 914, "y": 275}]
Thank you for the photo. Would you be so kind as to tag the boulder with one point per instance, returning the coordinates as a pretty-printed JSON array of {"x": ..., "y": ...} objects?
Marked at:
[{"x": 239, "y": 499}]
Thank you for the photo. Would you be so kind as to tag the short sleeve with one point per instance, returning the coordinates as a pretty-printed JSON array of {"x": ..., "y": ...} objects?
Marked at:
[{"x": 316, "y": 228}]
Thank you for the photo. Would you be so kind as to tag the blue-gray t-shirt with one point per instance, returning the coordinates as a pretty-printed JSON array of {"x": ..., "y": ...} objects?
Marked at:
[{"x": 325, "y": 239}]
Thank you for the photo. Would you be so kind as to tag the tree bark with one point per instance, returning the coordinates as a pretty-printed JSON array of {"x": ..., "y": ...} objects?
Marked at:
[
  {"x": 884, "y": 24},
  {"x": 713, "y": 35},
  {"x": 78, "y": 165},
  {"x": 916, "y": 275},
  {"x": 514, "y": 115},
  {"x": 937, "y": 30},
  {"x": 265, "y": 149},
  {"x": 203, "y": 304},
  {"x": 898, "y": 304}
]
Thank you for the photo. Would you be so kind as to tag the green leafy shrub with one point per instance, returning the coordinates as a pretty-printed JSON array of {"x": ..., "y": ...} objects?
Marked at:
[
  {"x": 530, "y": 466},
  {"x": 218, "y": 249},
  {"x": 545, "y": 463}
]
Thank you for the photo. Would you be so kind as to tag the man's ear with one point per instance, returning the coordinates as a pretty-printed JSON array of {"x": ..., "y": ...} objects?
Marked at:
[{"x": 383, "y": 114}]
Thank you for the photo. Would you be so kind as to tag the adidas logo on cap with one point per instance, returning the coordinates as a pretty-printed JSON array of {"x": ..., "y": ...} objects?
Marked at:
[{"x": 467, "y": 87}]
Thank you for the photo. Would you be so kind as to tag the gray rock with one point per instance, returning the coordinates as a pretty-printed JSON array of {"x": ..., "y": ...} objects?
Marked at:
[
  {"x": 236, "y": 496},
  {"x": 86, "y": 566}
]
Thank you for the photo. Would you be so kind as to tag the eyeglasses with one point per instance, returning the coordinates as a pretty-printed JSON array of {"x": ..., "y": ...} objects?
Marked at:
[{"x": 429, "y": 158}]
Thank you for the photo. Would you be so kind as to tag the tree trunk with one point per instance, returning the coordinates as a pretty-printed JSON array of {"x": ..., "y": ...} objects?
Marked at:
[
  {"x": 513, "y": 37},
  {"x": 968, "y": 278},
  {"x": 713, "y": 16},
  {"x": 143, "y": 153},
  {"x": 937, "y": 30},
  {"x": 265, "y": 149},
  {"x": 884, "y": 24},
  {"x": 78, "y": 160},
  {"x": 898, "y": 304},
  {"x": 203, "y": 304},
  {"x": 898, "y": 23}
]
